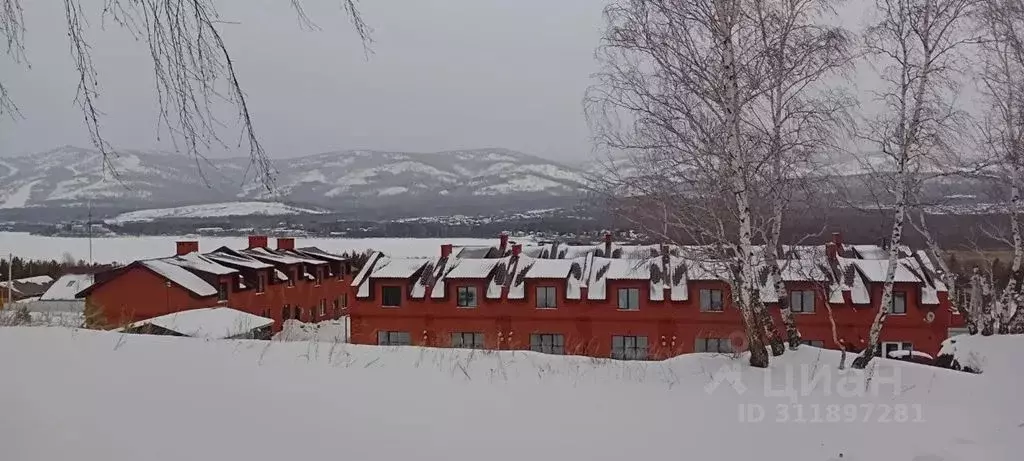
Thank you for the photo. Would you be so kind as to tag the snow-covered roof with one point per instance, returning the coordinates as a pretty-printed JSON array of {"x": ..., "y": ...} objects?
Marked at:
[
  {"x": 302, "y": 257},
  {"x": 545, "y": 268},
  {"x": 29, "y": 286},
  {"x": 470, "y": 268},
  {"x": 180, "y": 276},
  {"x": 67, "y": 286},
  {"x": 851, "y": 281},
  {"x": 35, "y": 280},
  {"x": 267, "y": 255},
  {"x": 201, "y": 263},
  {"x": 876, "y": 269},
  {"x": 242, "y": 261},
  {"x": 208, "y": 323},
  {"x": 318, "y": 253},
  {"x": 397, "y": 268}
]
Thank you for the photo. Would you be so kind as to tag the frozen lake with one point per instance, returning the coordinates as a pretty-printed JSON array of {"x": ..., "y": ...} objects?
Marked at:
[{"x": 126, "y": 249}]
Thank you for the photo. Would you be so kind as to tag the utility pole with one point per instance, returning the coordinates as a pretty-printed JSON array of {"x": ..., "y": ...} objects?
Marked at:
[{"x": 10, "y": 277}]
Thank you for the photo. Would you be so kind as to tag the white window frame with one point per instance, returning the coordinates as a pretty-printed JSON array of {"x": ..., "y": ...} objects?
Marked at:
[
  {"x": 551, "y": 302},
  {"x": 548, "y": 343},
  {"x": 476, "y": 340},
  {"x": 632, "y": 299},
  {"x": 895, "y": 346},
  {"x": 721, "y": 345},
  {"x": 802, "y": 307},
  {"x": 392, "y": 338},
  {"x": 468, "y": 289},
  {"x": 892, "y": 307},
  {"x": 630, "y": 347},
  {"x": 710, "y": 294}
]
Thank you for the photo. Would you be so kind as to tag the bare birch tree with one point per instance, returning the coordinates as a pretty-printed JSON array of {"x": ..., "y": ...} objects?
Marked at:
[
  {"x": 914, "y": 43},
  {"x": 192, "y": 67},
  {"x": 797, "y": 116}
]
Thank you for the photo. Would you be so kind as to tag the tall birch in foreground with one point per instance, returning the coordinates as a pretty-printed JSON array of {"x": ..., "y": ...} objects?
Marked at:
[
  {"x": 796, "y": 117},
  {"x": 914, "y": 44}
]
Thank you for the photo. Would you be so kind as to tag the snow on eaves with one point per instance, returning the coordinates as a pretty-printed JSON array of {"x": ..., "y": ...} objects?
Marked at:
[
  {"x": 180, "y": 276},
  {"x": 876, "y": 269},
  {"x": 397, "y": 268}
]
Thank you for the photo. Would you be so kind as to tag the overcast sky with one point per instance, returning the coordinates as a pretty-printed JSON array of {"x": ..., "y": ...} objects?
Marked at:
[{"x": 446, "y": 74}]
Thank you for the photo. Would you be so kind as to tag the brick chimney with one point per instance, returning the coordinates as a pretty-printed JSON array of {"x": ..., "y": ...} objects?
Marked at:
[
  {"x": 607, "y": 244},
  {"x": 257, "y": 241},
  {"x": 831, "y": 251},
  {"x": 446, "y": 250},
  {"x": 837, "y": 239},
  {"x": 503, "y": 238},
  {"x": 285, "y": 243},
  {"x": 516, "y": 249},
  {"x": 186, "y": 247}
]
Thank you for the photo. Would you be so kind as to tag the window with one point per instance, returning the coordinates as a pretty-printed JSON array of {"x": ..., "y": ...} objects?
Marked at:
[
  {"x": 801, "y": 301},
  {"x": 720, "y": 345},
  {"x": 710, "y": 300},
  {"x": 344, "y": 300},
  {"x": 629, "y": 299},
  {"x": 546, "y": 298},
  {"x": 337, "y": 307},
  {"x": 323, "y": 307},
  {"x": 391, "y": 296},
  {"x": 319, "y": 276},
  {"x": 222, "y": 291},
  {"x": 261, "y": 283},
  {"x": 893, "y": 346},
  {"x": 899, "y": 303},
  {"x": 294, "y": 274},
  {"x": 467, "y": 296},
  {"x": 298, "y": 313},
  {"x": 286, "y": 312},
  {"x": 547, "y": 343},
  {"x": 341, "y": 271},
  {"x": 394, "y": 338},
  {"x": 813, "y": 343},
  {"x": 467, "y": 340},
  {"x": 629, "y": 347}
]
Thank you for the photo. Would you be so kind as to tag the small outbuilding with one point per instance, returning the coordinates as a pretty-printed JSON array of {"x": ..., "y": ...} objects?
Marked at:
[{"x": 207, "y": 323}]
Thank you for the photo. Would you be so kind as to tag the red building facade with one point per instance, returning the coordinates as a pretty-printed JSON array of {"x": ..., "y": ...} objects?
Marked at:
[
  {"x": 307, "y": 284},
  {"x": 644, "y": 302}
]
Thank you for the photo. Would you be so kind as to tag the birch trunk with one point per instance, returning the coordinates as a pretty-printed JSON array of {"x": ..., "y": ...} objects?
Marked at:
[
  {"x": 772, "y": 257},
  {"x": 1010, "y": 312},
  {"x": 727, "y": 14}
]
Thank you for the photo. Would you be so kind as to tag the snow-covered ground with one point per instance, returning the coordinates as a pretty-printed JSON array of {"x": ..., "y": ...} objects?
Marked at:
[
  {"x": 212, "y": 210},
  {"x": 101, "y": 395},
  {"x": 126, "y": 249},
  {"x": 330, "y": 331}
]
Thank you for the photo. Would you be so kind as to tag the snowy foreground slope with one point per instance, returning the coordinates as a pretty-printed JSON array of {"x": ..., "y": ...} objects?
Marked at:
[{"x": 70, "y": 394}]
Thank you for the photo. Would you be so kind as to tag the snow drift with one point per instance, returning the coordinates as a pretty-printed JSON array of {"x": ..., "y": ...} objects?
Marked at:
[{"x": 73, "y": 394}]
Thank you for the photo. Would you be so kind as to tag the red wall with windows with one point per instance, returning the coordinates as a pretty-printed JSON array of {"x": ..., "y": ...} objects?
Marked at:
[
  {"x": 587, "y": 326},
  {"x": 138, "y": 294}
]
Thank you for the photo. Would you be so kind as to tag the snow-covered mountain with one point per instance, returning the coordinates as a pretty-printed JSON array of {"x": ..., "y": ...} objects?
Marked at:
[
  {"x": 73, "y": 176},
  {"x": 213, "y": 210}
]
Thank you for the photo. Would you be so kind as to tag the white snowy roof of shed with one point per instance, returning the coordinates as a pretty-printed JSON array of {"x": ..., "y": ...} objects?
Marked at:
[
  {"x": 67, "y": 286},
  {"x": 208, "y": 323},
  {"x": 180, "y": 276}
]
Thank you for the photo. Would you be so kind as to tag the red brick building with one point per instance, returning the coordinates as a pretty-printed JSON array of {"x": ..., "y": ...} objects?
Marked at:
[
  {"x": 281, "y": 283},
  {"x": 642, "y": 302}
]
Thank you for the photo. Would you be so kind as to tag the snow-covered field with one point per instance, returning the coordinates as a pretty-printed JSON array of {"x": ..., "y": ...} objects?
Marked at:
[
  {"x": 126, "y": 249},
  {"x": 70, "y": 394},
  {"x": 213, "y": 210}
]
